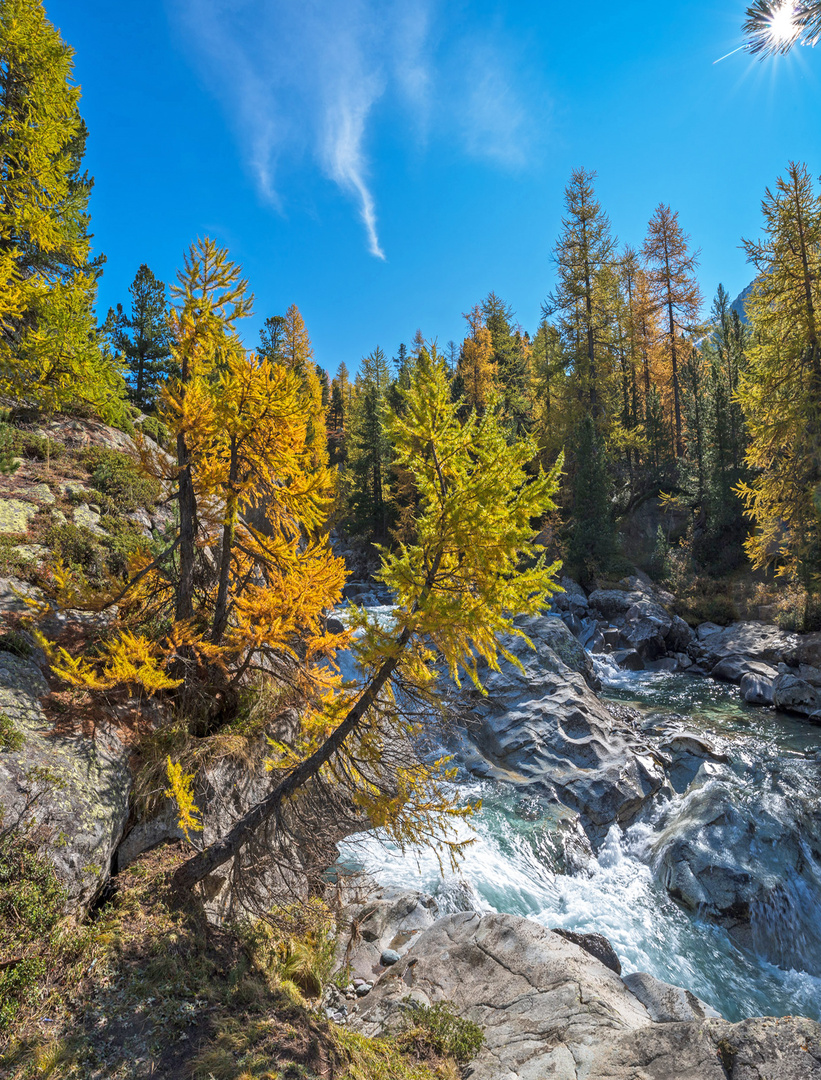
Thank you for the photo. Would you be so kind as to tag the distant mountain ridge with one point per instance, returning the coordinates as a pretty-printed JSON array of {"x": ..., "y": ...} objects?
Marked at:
[{"x": 739, "y": 304}]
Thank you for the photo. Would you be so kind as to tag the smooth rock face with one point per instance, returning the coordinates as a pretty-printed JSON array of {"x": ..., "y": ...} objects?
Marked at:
[
  {"x": 80, "y": 786},
  {"x": 545, "y": 730},
  {"x": 795, "y": 695},
  {"x": 386, "y": 925},
  {"x": 665, "y": 1003},
  {"x": 551, "y": 1011},
  {"x": 752, "y": 640},
  {"x": 760, "y": 1049},
  {"x": 542, "y": 1002}
]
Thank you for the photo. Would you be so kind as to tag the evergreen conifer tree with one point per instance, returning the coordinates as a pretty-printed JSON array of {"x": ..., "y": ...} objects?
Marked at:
[
  {"x": 143, "y": 339},
  {"x": 369, "y": 454},
  {"x": 592, "y": 544},
  {"x": 583, "y": 252}
]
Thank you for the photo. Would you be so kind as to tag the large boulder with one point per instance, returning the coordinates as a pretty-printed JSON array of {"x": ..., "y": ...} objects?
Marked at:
[
  {"x": 756, "y": 689},
  {"x": 550, "y": 1009},
  {"x": 542, "y": 728},
  {"x": 573, "y": 599},
  {"x": 751, "y": 640},
  {"x": 73, "y": 789},
  {"x": 793, "y": 694},
  {"x": 746, "y": 852},
  {"x": 642, "y": 614},
  {"x": 734, "y": 668}
]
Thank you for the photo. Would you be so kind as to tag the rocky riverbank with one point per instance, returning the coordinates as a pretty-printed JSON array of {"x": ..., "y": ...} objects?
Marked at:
[
  {"x": 636, "y": 625},
  {"x": 549, "y": 1006}
]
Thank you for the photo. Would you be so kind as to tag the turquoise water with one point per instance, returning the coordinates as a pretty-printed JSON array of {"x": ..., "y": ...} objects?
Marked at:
[{"x": 529, "y": 860}]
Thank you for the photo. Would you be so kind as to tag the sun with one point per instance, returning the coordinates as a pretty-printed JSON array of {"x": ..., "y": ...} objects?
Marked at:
[{"x": 782, "y": 23}]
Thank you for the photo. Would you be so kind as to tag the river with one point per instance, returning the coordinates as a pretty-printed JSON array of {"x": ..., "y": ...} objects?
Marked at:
[{"x": 768, "y": 787}]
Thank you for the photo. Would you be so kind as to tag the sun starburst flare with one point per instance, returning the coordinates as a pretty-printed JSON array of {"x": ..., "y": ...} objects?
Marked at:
[
  {"x": 783, "y": 26},
  {"x": 775, "y": 26}
]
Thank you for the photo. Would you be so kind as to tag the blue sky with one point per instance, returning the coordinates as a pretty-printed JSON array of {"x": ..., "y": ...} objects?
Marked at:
[{"x": 385, "y": 164}]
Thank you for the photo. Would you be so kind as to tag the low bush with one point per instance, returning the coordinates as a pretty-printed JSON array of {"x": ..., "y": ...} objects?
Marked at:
[
  {"x": 78, "y": 548},
  {"x": 118, "y": 476},
  {"x": 437, "y": 1031},
  {"x": 296, "y": 944},
  {"x": 155, "y": 429},
  {"x": 31, "y": 905},
  {"x": 11, "y": 738}
]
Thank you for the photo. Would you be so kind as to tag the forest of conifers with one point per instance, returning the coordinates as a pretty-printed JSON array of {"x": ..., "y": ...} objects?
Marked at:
[{"x": 644, "y": 386}]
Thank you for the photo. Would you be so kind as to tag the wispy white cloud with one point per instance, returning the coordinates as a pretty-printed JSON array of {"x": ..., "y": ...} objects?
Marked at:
[{"x": 308, "y": 76}]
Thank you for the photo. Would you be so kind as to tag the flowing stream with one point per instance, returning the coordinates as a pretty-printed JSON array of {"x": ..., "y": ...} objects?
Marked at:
[{"x": 523, "y": 859}]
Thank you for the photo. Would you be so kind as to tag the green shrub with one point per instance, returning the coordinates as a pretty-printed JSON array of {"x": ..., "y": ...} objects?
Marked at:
[
  {"x": 117, "y": 475},
  {"x": 155, "y": 429},
  {"x": 77, "y": 548},
  {"x": 11, "y": 738},
  {"x": 16, "y": 643},
  {"x": 437, "y": 1030},
  {"x": 37, "y": 447},
  {"x": 124, "y": 539},
  {"x": 31, "y": 905}
]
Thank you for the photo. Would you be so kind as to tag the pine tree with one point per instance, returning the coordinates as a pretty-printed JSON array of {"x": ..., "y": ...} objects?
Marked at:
[
  {"x": 671, "y": 277},
  {"x": 582, "y": 253},
  {"x": 369, "y": 456},
  {"x": 592, "y": 528},
  {"x": 147, "y": 349},
  {"x": 49, "y": 352},
  {"x": 511, "y": 363},
  {"x": 780, "y": 391}
]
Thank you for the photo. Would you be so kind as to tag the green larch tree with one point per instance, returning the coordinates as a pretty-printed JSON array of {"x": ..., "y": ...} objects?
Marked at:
[
  {"x": 49, "y": 349},
  {"x": 671, "y": 270},
  {"x": 780, "y": 391}
]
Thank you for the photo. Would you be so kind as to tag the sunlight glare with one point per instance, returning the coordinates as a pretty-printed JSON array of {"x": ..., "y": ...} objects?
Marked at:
[{"x": 783, "y": 26}]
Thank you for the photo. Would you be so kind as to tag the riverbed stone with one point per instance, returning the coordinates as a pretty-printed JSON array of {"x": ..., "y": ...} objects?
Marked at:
[
  {"x": 734, "y": 848},
  {"x": 734, "y": 668},
  {"x": 628, "y": 659},
  {"x": 388, "y": 922},
  {"x": 751, "y": 640},
  {"x": 573, "y": 599},
  {"x": 756, "y": 689},
  {"x": 544, "y": 730},
  {"x": 667, "y": 1004},
  {"x": 549, "y": 1009},
  {"x": 796, "y": 695}
]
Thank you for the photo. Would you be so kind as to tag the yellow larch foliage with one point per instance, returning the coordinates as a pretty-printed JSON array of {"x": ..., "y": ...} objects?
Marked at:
[{"x": 180, "y": 789}]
